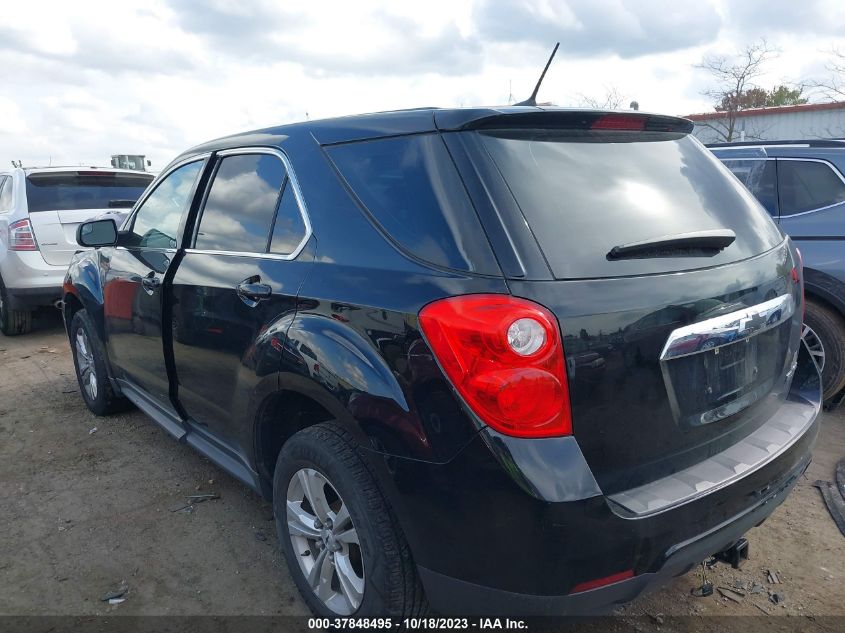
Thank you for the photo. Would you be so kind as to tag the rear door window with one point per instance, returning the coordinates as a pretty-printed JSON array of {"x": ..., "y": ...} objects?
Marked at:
[
  {"x": 409, "y": 186},
  {"x": 241, "y": 203},
  {"x": 760, "y": 176},
  {"x": 582, "y": 192},
  {"x": 71, "y": 190},
  {"x": 808, "y": 185}
]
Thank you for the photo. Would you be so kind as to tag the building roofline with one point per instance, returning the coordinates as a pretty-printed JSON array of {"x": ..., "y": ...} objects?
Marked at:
[{"x": 805, "y": 107}]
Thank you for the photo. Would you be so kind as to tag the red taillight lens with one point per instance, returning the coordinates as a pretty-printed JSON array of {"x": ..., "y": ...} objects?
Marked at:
[
  {"x": 21, "y": 237},
  {"x": 603, "y": 582},
  {"x": 619, "y": 122},
  {"x": 505, "y": 357}
]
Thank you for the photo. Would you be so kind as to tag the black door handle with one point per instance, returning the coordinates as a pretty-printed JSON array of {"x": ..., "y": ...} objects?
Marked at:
[{"x": 251, "y": 291}]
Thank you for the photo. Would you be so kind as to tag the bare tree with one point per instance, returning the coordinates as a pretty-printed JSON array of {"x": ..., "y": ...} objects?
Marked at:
[
  {"x": 612, "y": 100},
  {"x": 733, "y": 76},
  {"x": 834, "y": 86}
]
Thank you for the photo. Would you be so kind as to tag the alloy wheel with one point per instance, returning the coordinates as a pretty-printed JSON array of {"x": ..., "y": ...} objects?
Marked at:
[
  {"x": 325, "y": 542},
  {"x": 814, "y": 345},
  {"x": 85, "y": 364}
]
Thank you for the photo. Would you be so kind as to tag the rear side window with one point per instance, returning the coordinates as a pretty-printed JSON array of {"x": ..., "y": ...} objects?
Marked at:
[
  {"x": 5, "y": 193},
  {"x": 760, "y": 176},
  {"x": 241, "y": 204},
  {"x": 582, "y": 192},
  {"x": 410, "y": 187},
  {"x": 51, "y": 191},
  {"x": 808, "y": 185}
]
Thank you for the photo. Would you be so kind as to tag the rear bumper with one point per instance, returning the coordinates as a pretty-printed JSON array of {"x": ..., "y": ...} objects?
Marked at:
[
  {"x": 30, "y": 281},
  {"x": 508, "y": 531},
  {"x": 452, "y": 595}
]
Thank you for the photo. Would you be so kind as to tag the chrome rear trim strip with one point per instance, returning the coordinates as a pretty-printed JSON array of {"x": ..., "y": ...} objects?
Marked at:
[{"x": 728, "y": 328}]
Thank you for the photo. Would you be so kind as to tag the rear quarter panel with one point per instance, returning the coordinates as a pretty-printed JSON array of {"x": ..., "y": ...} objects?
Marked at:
[{"x": 355, "y": 342}]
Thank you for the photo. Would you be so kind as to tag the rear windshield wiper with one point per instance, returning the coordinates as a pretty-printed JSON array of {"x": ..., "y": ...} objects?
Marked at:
[
  {"x": 693, "y": 244},
  {"x": 121, "y": 204}
]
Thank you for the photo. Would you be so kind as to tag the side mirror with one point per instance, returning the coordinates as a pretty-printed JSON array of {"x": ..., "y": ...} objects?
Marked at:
[{"x": 97, "y": 233}]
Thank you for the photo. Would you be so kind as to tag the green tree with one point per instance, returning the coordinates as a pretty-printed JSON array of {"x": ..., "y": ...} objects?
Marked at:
[
  {"x": 785, "y": 96},
  {"x": 761, "y": 98}
]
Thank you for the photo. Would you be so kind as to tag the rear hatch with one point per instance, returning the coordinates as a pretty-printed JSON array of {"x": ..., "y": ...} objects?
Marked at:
[
  {"x": 58, "y": 201},
  {"x": 675, "y": 292}
]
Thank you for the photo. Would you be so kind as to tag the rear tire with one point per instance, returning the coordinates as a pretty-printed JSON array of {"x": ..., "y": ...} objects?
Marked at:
[
  {"x": 326, "y": 456},
  {"x": 89, "y": 360},
  {"x": 829, "y": 327},
  {"x": 13, "y": 322}
]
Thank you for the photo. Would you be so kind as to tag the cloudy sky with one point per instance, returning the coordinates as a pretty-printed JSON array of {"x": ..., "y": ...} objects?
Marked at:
[{"x": 82, "y": 80}]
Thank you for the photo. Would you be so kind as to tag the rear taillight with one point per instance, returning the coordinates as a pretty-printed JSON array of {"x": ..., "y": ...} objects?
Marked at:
[
  {"x": 21, "y": 237},
  {"x": 504, "y": 356},
  {"x": 798, "y": 277}
]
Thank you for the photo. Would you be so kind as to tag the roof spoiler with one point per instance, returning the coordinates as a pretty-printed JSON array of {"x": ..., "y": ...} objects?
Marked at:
[{"x": 561, "y": 119}]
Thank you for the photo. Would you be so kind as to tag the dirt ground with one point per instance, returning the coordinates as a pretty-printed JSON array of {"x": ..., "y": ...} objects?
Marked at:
[{"x": 87, "y": 505}]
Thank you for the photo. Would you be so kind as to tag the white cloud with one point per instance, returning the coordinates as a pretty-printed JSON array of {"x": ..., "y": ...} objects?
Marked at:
[{"x": 81, "y": 82}]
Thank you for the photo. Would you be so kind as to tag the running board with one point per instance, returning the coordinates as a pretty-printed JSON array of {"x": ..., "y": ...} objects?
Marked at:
[{"x": 159, "y": 416}]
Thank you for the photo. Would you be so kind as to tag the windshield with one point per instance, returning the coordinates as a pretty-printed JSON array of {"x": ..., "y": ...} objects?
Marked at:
[
  {"x": 51, "y": 191},
  {"x": 585, "y": 192}
]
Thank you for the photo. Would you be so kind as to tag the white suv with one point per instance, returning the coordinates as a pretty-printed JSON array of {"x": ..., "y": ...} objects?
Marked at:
[{"x": 40, "y": 209}]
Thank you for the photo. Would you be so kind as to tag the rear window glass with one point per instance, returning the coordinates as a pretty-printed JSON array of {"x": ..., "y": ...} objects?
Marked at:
[
  {"x": 808, "y": 185},
  {"x": 410, "y": 187},
  {"x": 584, "y": 192},
  {"x": 52, "y": 191}
]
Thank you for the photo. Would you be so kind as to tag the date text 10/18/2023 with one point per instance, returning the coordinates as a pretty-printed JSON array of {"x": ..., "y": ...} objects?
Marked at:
[{"x": 430, "y": 623}]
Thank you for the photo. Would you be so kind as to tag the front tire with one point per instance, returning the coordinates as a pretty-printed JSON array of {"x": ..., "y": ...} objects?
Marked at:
[
  {"x": 829, "y": 328},
  {"x": 89, "y": 360},
  {"x": 343, "y": 545},
  {"x": 13, "y": 322}
]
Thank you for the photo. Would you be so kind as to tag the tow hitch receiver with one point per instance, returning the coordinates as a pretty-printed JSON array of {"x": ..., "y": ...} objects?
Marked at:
[{"x": 735, "y": 555}]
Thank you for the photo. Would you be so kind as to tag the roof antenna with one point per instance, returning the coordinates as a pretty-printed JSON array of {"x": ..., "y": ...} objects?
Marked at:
[{"x": 532, "y": 100}]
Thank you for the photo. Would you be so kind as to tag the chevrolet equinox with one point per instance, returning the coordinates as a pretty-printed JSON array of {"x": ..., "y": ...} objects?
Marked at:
[{"x": 517, "y": 360}]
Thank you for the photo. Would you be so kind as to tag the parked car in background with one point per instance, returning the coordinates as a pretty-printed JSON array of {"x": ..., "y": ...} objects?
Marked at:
[
  {"x": 40, "y": 208},
  {"x": 802, "y": 186},
  {"x": 452, "y": 347}
]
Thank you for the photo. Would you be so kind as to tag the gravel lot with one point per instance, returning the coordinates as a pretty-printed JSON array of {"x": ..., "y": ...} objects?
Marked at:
[{"x": 87, "y": 505}]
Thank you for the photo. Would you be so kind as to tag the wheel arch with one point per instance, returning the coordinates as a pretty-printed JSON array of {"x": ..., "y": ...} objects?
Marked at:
[
  {"x": 83, "y": 288},
  {"x": 298, "y": 403},
  {"x": 824, "y": 288}
]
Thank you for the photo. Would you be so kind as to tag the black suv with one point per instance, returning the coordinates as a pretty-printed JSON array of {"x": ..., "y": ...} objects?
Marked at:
[
  {"x": 516, "y": 360},
  {"x": 801, "y": 185}
]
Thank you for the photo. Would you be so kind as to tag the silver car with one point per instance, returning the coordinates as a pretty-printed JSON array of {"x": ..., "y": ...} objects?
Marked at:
[{"x": 40, "y": 209}]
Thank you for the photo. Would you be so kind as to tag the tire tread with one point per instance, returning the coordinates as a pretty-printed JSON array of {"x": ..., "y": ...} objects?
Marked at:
[
  {"x": 407, "y": 597},
  {"x": 111, "y": 401},
  {"x": 829, "y": 326},
  {"x": 14, "y": 322}
]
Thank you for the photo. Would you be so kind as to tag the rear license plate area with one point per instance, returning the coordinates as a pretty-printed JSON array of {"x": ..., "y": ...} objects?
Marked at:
[{"x": 716, "y": 383}]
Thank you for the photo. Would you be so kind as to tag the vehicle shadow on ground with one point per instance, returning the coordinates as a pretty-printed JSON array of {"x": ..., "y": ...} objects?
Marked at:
[{"x": 47, "y": 320}]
